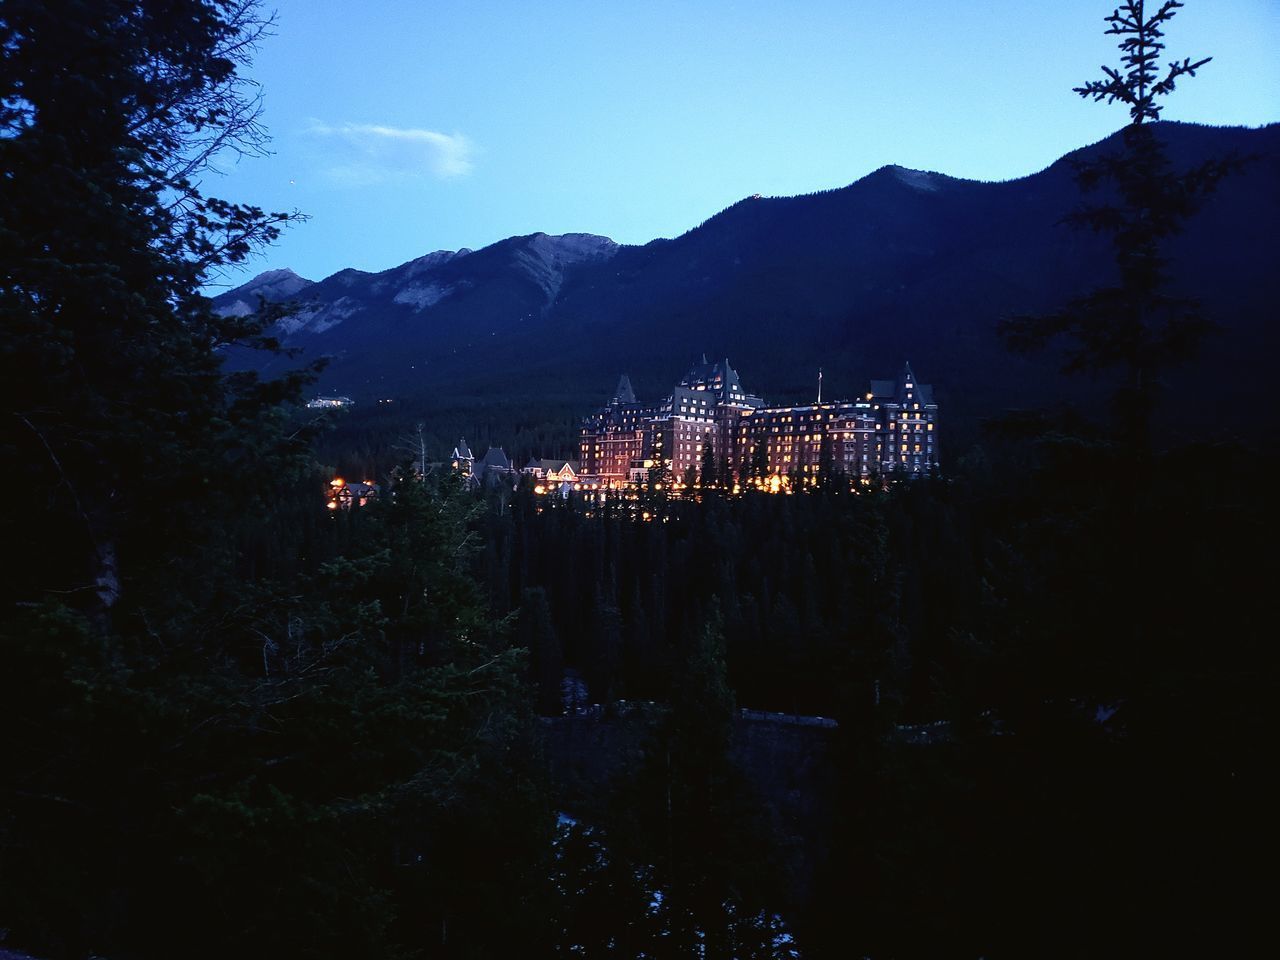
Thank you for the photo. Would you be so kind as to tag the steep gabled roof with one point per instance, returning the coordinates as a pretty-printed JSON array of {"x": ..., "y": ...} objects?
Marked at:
[
  {"x": 881, "y": 389},
  {"x": 555, "y": 466},
  {"x": 494, "y": 457},
  {"x": 624, "y": 393},
  {"x": 462, "y": 451},
  {"x": 718, "y": 378},
  {"x": 895, "y": 391}
]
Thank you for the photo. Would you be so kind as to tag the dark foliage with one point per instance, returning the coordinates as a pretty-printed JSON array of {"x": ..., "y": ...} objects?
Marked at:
[
  {"x": 1135, "y": 325},
  {"x": 232, "y": 726}
]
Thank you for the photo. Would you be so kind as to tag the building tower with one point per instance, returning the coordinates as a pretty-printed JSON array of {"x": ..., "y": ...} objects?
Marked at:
[{"x": 463, "y": 460}]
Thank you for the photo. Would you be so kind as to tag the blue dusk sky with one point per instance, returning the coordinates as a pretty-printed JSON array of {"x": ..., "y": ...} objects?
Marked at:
[{"x": 403, "y": 127}]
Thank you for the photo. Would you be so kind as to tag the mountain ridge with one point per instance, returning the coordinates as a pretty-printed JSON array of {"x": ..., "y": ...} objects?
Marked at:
[{"x": 899, "y": 264}]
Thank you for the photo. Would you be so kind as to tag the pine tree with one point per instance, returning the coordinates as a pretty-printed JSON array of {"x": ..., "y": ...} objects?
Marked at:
[
  {"x": 707, "y": 464},
  {"x": 1133, "y": 325},
  {"x": 120, "y": 658},
  {"x": 657, "y": 483},
  {"x": 114, "y": 399},
  {"x": 826, "y": 465},
  {"x": 203, "y": 763},
  {"x": 538, "y": 635},
  {"x": 759, "y": 460},
  {"x": 702, "y": 827}
]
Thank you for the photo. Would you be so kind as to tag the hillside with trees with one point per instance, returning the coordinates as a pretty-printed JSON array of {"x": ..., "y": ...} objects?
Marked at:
[{"x": 900, "y": 265}]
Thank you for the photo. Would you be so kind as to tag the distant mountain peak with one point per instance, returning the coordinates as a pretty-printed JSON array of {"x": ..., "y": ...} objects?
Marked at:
[
  {"x": 544, "y": 257},
  {"x": 273, "y": 276},
  {"x": 919, "y": 179},
  {"x": 280, "y": 284},
  {"x": 432, "y": 260},
  {"x": 574, "y": 247},
  {"x": 925, "y": 181}
]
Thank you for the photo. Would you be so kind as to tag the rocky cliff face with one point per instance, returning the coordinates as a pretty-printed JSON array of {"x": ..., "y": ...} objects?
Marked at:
[
  {"x": 546, "y": 260},
  {"x": 539, "y": 260},
  {"x": 274, "y": 286}
]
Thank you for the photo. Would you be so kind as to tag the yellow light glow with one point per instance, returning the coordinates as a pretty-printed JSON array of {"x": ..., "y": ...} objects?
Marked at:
[{"x": 337, "y": 482}]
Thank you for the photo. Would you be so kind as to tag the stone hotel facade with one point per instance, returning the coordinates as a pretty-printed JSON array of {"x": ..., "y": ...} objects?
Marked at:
[{"x": 891, "y": 430}]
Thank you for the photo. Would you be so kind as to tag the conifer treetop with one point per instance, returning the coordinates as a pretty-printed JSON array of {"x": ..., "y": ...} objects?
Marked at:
[{"x": 1138, "y": 83}]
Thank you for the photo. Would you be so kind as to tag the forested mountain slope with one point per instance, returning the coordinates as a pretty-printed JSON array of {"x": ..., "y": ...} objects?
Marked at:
[{"x": 901, "y": 264}]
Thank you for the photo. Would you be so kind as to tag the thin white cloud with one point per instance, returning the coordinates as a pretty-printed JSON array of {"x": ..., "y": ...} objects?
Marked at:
[{"x": 361, "y": 153}]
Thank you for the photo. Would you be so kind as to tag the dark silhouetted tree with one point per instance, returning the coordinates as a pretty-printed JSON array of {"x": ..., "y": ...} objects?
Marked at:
[
  {"x": 413, "y": 444},
  {"x": 707, "y": 474},
  {"x": 1132, "y": 325},
  {"x": 537, "y": 634},
  {"x": 193, "y": 751},
  {"x": 759, "y": 460},
  {"x": 110, "y": 370}
]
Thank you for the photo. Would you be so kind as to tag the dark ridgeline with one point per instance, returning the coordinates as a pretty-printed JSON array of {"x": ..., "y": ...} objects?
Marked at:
[{"x": 899, "y": 264}]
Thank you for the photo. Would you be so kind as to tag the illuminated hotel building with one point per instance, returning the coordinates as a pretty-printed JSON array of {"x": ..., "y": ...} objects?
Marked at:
[
  {"x": 906, "y": 418},
  {"x": 891, "y": 429}
]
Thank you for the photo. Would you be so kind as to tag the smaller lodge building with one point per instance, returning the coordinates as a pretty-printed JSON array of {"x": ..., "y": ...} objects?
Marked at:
[{"x": 495, "y": 468}]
